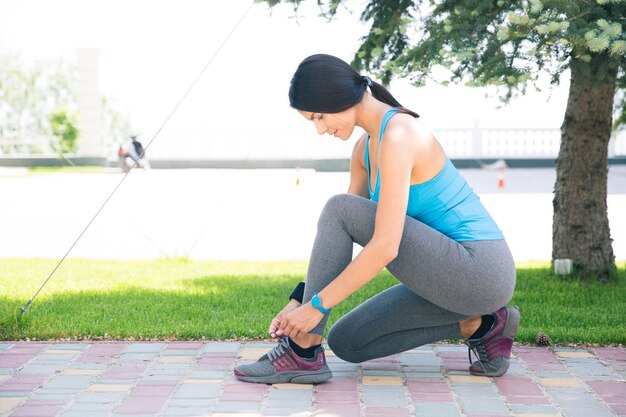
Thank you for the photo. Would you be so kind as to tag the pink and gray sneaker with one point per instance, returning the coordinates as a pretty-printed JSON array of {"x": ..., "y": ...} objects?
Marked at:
[
  {"x": 281, "y": 365},
  {"x": 494, "y": 349}
]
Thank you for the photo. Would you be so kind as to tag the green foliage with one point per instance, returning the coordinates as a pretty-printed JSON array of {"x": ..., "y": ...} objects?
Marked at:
[
  {"x": 38, "y": 103},
  {"x": 29, "y": 93},
  {"x": 506, "y": 44},
  {"x": 64, "y": 129}
]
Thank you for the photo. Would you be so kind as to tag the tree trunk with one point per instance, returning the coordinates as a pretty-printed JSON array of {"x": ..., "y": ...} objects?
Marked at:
[{"x": 580, "y": 229}]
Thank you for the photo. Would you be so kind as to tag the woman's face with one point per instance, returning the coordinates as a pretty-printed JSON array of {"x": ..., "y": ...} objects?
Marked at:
[{"x": 339, "y": 125}]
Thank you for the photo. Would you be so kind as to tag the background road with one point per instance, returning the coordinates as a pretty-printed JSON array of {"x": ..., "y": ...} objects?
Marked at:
[{"x": 240, "y": 214}]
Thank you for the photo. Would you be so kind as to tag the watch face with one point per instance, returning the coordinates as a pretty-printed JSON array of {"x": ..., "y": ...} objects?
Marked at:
[{"x": 315, "y": 302}]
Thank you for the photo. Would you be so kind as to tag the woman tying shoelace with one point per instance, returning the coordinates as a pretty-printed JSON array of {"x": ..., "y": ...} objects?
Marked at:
[{"x": 413, "y": 213}]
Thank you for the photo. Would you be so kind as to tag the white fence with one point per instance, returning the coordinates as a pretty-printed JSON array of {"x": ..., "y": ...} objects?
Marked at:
[
  {"x": 511, "y": 143},
  {"x": 470, "y": 143}
]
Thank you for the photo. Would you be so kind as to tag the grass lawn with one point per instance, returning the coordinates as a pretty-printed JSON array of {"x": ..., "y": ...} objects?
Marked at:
[
  {"x": 84, "y": 169},
  {"x": 189, "y": 299}
]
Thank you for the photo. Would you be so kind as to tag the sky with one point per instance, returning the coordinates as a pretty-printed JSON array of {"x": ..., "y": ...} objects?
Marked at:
[{"x": 151, "y": 51}]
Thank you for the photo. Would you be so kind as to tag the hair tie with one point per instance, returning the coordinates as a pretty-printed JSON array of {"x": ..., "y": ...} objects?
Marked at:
[{"x": 368, "y": 81}]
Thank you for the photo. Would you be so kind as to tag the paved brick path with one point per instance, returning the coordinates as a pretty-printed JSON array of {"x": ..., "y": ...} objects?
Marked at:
[{"x": 195, "y": 379}]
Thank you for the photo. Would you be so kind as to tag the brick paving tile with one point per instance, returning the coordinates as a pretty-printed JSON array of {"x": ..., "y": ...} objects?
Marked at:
[
  {"x": 338, "y": 384},
  {"x": 184, "y": 345},
  {"x": 238, "y": 406},
  {"x": 109, "y": 388},
  {"x": 428, "y": 386},
  {"x": 387, "y": 412},
  {"x": 36, "y": 411},
  {"x": 145, "y": 390},
  {"x": 187, "y": 412},
  {"x": 615, "y": 354},
  {"x": 519, "y": 386},
  {"x": 9, "y": 403},
  {"x": 141, "y": 405},
  {"x": 526, "y": 399},
  {"x": 291, "y": 412},
  {"x": 185, "y": 379},
  {"x": 337, "y": 397},
  {"x": 8, "y": 360},
  {"x": 98, "y": 413},
  {"x": 16, "y": 387},
  {"x": 28, "y": 347},
  {"x": 436, "y": 409},
  {"x": 491, "y": 406},
  {"x": 335, "y": 409},
  {"x": 608, "y": 388},
  {"x": 242, "y": 387},
  {"x": 221, "y": 347},
  {"x": 242, "y": 396},
  {"x": 432, "y": 397}
]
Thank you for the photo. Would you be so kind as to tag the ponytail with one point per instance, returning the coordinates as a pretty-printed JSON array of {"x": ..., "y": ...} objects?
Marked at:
[{"x": 380, "y": 93}]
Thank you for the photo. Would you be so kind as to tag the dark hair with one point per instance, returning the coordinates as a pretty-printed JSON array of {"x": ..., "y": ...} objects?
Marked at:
[{"x": 326, "y": 84}]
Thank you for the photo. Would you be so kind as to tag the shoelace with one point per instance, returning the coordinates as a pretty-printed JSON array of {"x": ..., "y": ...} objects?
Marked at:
[
  {"x": 479, "y": 350},
  {"x": 279, "y": 350}
]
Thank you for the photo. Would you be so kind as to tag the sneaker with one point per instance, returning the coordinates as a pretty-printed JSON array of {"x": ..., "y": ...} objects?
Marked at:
[
  {"x": 281, "y": 365},
  {"x": 494, "y": 349}
]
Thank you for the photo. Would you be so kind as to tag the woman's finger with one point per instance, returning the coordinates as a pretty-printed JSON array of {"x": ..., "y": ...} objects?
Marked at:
[{"x": 274, "y": 326}]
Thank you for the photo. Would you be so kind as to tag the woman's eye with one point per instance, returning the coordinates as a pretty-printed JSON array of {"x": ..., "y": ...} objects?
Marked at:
[{"x": 320, "y": 117}]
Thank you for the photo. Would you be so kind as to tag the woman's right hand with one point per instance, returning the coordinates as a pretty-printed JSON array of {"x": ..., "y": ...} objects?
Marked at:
[{"x": 291, "y": 306}]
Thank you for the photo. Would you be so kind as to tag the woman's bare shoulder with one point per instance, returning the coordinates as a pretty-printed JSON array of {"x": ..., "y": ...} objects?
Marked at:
[{"x": 405, "y": 129}]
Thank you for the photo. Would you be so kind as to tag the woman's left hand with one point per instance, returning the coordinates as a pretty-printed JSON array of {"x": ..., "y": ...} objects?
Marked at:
[{"x": 300, "y": 321}]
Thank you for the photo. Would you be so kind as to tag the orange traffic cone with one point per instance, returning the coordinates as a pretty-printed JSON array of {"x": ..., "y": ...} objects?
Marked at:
[{"x": 501, "y": 177}]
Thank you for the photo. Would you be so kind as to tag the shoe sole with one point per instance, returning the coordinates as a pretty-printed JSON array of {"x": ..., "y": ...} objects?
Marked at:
[
  {"x": 294, "y": 377},
  {"x": 510, "y": 330},
  {"x": 501, "y": 371}
]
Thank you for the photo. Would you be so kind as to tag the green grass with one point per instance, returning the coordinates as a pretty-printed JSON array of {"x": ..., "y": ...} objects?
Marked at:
[
  {"x": 188, "y": 299},
  {"x": 66, "y": 169}
]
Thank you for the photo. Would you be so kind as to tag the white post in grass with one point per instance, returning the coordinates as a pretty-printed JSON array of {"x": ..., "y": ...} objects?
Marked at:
[{"x": 563, "y": 266}]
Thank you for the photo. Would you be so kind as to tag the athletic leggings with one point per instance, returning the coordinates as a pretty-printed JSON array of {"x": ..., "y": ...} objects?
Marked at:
[{"x": 442, "y": 282}]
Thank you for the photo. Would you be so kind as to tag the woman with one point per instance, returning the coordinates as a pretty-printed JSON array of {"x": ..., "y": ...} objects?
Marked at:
[{"x": 413, "y": 213}]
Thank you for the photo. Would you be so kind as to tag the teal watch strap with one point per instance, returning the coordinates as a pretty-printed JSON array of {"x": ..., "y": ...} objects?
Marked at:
[{"x": 316, "y": 302}]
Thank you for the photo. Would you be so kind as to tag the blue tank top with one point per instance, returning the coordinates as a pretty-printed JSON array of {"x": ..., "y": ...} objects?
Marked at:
[{"x": 446, "y": 202}]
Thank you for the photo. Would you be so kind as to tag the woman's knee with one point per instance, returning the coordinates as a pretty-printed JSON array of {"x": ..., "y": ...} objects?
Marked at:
[
  {"x": 335, "y": 205},
  {"x": 338, "y": 206},
  {"x": 339, "y": 341}
]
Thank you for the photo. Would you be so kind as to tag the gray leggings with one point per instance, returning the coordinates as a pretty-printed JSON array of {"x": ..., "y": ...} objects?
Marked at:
[{"x": 442, "y": 282}]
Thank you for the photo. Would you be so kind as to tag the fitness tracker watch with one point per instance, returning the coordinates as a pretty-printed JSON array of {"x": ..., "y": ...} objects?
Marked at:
[{"x": 316, "y": 302}]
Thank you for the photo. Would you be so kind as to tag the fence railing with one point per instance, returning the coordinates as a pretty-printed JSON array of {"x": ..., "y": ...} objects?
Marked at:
[{"x": 477, "y": 142}]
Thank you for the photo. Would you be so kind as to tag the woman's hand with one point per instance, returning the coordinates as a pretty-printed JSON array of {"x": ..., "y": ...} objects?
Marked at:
[
  {"x": 300, "y": 321},
  {"x": 291, "y": 306}
]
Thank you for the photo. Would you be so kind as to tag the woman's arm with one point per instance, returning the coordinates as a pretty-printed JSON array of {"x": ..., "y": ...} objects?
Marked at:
[
  {"x": 396, "y": 162},
  {"x": 397, "y": 154},
  {"x": 358, "y": 172}
]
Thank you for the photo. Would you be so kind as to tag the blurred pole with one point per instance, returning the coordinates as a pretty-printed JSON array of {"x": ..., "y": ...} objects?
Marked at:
[{"x": 90, "y": 140}]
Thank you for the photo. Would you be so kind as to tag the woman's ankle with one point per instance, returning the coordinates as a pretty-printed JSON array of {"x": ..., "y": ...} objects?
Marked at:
[
  {"x": 469, "y": 326},
  {"x": 307, "y": 340}
]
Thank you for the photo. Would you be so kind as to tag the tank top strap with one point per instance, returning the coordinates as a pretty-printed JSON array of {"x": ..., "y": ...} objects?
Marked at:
[{"x": 390, "y": 113}]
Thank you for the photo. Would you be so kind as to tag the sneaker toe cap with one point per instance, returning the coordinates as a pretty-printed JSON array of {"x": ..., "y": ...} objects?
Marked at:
[
  {"x": 256, "y": 369},
  {"x": 494, "y": 367}
]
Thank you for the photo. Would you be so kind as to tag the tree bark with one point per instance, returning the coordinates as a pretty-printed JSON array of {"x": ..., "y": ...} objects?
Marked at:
[{"x": 580, "y": 229}]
